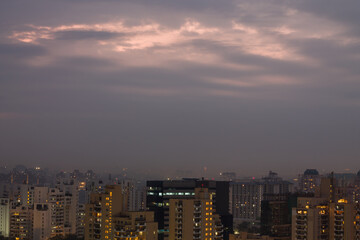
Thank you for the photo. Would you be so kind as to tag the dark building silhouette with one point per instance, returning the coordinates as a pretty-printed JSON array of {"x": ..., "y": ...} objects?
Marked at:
[{"x": 276, "y": 215}]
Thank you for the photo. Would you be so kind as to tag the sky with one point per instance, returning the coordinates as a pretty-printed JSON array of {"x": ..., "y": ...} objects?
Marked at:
[{"x": 198, "y": 86}]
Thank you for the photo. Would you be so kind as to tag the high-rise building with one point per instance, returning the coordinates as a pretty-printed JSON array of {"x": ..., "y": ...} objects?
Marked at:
[
  {"x": 245, "y": 198},
  {"x": 106, "y": 217},
  {"x": 99, "y": 213},
  {"x": 71, "y": 206},
  {"x": 311, "y": 222},
  {"x": 344, "y": 218},
  {"x": 276, "y": 215},
  {"x": 246, "y": 195},
  {"x": 62, "y": 204},
  {"x": 42, "y": 221},
  {"x": 338, "y": 220},
  {"x": 80, "y": 221},
  {"x": 138, "y": 225},
  {"x": 43, "y": 212},
  {"x": 194, "y": 218},
  {"x": 356, "y": 189},
  {"x": 326, "y": 216},
  {"x": 4, "y": 217},
  {"x": 40, "y": 195},
  {"x": 21, "y": 223},
  {"x": 273, "y": 184},
  {"x": 57, "y": 201},
  {"x": 160, "y": 192},
  {"x": 136, "y": 193}
]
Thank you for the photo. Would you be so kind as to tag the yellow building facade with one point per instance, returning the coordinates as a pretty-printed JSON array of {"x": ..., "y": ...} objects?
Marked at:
[{"x": 194, "y": 218}]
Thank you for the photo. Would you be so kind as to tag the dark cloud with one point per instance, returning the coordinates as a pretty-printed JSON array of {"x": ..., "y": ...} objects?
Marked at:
[
  {"x": 186, "y": 4},
  {"x": 346, "y": 11},
  {"x": 83, "y": 63},
  {"x": 21, "y": 50},
  {"x": 86, "y": 35}
]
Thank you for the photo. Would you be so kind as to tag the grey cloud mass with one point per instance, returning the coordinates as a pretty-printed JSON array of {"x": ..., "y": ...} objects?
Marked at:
[
  {"x": 157, "y": 86},
  {"x": 84, "y": 35},
  {"x": 21, "y": 50}
]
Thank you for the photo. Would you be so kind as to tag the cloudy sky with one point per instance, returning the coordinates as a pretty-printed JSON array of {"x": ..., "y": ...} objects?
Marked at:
[{"x": 159, "y": 85}]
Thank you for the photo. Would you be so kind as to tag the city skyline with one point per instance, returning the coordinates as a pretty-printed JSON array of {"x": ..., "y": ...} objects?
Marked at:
[
  {"x": 36, "y": 204},
  {"x": 153, "y": 86}
]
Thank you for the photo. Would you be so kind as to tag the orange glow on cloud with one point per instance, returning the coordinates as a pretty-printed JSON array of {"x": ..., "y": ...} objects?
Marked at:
[{"x": 149, "y": 35}]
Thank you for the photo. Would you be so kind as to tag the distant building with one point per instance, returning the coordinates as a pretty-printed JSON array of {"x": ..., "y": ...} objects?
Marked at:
[
  {"x": 227, "y": 176},
  {"x": 309, "y": 181},
  {"x": 136, "y": 195},
  {"x": 246, "y": 196},
  {"x": 273, "y": 184},
  {"x": 356, "y": 189}
]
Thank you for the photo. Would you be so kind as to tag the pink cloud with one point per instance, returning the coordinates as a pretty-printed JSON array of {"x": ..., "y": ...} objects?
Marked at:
[
  {"x": 143, "y": 36},
  {"x": 10, "y": 115}
]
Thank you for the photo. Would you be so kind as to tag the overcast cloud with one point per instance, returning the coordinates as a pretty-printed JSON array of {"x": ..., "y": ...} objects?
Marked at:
[{"x": 245, "y": 86}]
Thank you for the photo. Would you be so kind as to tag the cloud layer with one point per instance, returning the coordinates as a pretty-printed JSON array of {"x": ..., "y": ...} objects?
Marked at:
[{"x": 253, "y": 85}]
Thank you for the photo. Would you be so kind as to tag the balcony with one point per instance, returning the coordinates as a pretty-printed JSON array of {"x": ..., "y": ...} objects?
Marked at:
[{"x": 141, "y": 224}]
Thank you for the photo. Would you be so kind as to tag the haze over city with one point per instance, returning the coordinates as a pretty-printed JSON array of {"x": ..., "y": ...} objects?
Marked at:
[{"x": 164, "y": 86}]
